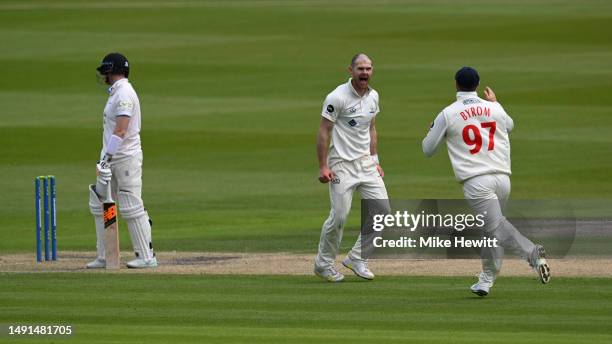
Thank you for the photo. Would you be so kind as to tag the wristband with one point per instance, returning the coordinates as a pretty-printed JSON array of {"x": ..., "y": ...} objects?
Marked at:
[
  {"x": 113, "y": 145},
  {"x": 375, "y": 157}
]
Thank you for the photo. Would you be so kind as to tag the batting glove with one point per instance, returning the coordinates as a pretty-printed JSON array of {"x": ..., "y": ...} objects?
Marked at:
[{"x": 103, "y": 172}]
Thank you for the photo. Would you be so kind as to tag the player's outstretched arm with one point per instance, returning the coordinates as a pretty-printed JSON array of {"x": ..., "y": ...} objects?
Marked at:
[
  {"x": 437, "y": 130},
  {"x": 325, "y": 174}
]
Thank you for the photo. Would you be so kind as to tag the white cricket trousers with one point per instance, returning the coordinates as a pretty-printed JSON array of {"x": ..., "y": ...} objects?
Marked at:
[
  {"x": 360, "y": 175},
  {"x": 126, "y": 185},
  {"x": 127, "y": 176},
  {"x": 489, "y": 193}
]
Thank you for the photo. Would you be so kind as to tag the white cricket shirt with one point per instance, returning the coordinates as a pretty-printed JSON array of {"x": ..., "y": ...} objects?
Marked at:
[
  {"x": 122, "y": 101},
  {"x": 476, "y": 133},
  {"x": 352, "y": 115}
]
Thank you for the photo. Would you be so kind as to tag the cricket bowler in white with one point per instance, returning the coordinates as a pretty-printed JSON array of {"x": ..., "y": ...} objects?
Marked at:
[
  {"x": 476, "y": 134},
  {"x": 121, "y": 164},
  {"x": 349, "y": 163}
]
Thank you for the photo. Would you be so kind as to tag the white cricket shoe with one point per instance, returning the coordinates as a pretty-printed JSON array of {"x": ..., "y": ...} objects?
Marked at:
[
  {"x": 329, "y": 274},
  {"x": 485, "y": 282},
  {"x": 96, "y": 264},
  {"x": 359, "y": 268},
  {"x": 140, "y": 263},
  {"x": 538, "y": 262}
]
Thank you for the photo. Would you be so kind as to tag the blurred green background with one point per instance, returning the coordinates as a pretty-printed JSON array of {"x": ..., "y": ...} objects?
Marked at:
[{"x": 231, "y": 94}]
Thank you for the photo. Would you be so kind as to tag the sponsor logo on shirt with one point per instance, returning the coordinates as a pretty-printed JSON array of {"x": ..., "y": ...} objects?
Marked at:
[
  {"x": 471, "y": 101},
  {"x": 352, "y": 122},
  {"x": 330, "y": 108},
  {"x": 126, "y": 104}
]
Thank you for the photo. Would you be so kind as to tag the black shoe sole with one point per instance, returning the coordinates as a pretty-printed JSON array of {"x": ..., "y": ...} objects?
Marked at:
[
  {"x": 480, "y": 292},
  {"x": 544, "y": 272}
]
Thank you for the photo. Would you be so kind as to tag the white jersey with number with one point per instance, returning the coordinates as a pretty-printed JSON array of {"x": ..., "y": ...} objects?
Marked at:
[
  {"x": 352, "y": 115},
  {"x": 476, "y": 133},
  {"x": 122, "y": 101}
]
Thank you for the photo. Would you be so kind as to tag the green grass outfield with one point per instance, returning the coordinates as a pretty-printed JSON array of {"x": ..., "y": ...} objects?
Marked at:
[
  {"x": 276, "y": 309},
  {"x": 231, "y": 95}
]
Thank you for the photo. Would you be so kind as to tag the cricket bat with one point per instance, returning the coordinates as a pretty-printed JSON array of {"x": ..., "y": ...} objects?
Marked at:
[{"x": 111, "y": 232}]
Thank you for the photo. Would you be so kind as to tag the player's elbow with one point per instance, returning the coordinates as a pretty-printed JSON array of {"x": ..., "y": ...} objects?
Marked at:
[
  {"x": 428, "y": 153},
  {"x": 120, "y": 132},
  {"x": 428, "y": 149}
]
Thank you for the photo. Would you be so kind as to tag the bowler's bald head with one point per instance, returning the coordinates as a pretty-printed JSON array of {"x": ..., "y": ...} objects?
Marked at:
[{"x": 359, "y": 58}]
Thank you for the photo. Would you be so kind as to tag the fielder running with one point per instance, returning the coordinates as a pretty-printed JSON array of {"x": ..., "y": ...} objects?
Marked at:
[
  {"x": 476, "y": 132},
  {"x": 349, "y": 163},
  {"x": 121, "y": 164}
]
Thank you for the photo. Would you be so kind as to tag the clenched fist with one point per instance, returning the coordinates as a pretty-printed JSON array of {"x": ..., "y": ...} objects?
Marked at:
[{"x": 326, "y": 175}]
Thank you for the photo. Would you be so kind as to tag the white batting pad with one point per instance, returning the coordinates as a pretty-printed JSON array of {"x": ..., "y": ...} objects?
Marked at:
[
  {"x": 97, "y": 210},
  {"x": 132, "y": 211}
]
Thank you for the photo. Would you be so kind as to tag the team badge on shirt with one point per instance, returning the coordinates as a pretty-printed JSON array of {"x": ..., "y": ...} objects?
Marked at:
[
  {"x": 125, "y": 105},
  {"x": 352, "y": 122}
]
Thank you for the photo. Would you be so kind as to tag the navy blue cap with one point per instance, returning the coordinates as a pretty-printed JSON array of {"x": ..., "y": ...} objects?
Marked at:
[
  {"x": 114, "y": 63},
  {"x": 467, "y": 78}
]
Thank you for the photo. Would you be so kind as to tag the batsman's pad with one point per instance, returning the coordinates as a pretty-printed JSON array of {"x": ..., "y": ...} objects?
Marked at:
[
  {"x": 97, "y": 210},
  {"x": 133, "y": 212},
  {"x": 95, "y": 205}
]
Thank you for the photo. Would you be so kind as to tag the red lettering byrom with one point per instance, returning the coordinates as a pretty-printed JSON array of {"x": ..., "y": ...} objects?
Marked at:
[
  {"x": 487, "y": 112},
  {"x": 463, "y": 116}
]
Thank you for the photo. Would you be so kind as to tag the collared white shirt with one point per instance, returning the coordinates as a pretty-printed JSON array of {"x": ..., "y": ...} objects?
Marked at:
[
  {"x": 352, "y": 115},
  {"x": 122, "y": 101},
  {"x": 476, "y": 133}
]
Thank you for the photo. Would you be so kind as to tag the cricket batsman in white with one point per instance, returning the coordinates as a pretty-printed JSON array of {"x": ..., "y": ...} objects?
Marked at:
[
  {"x": 476, "y": 133},
  {"x": 121, "y": 164},
  {"x": 350, "y": 162}
]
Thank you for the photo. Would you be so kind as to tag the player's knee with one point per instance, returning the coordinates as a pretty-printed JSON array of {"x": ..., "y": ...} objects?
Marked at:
[
  {"x": 130, "y": 186},
  {"x": 499, "y": 223},
  {"x": 130, "y": 205},
  {"x": 338, "y": 218},
  {"x": 493, "y": 225}
]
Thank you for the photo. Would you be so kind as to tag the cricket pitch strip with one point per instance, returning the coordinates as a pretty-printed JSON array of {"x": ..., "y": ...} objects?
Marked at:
[{"x": 295, "y": 264}]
